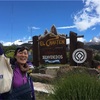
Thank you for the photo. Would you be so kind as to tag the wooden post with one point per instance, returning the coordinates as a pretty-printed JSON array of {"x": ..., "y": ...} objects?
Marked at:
[
  {"x": 80, "y": 45},
  {"x": 35, "y": 51},
  {"x": 73, "y": 46}
]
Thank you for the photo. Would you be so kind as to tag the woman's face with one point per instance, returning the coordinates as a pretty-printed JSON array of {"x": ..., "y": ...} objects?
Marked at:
[{"x": 22, "y": 56}]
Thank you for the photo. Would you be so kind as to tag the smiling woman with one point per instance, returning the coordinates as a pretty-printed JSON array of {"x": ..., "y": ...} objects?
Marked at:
[
  {"x": 21, "y": 55},
  {"x": 21, "y": 80}
]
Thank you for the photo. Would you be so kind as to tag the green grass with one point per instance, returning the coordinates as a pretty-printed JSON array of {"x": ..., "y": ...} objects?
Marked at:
[
  {"x": 76, "y": 86},
  {"x": 41, "y": 96}
]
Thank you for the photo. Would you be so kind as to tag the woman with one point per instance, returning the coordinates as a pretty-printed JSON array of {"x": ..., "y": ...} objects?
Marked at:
[{"x": 22, "y": 85}]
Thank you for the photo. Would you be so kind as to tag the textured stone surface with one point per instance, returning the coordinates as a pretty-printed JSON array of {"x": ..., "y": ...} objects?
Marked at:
[
  {"x": 42, "y": 87},
  {"x": 41, "y": 77}
]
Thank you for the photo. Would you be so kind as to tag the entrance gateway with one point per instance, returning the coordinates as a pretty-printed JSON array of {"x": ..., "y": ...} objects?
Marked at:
[{"x": 52, "y": 47}]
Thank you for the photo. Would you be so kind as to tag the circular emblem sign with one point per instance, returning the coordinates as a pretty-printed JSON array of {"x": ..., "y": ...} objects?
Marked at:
[{"x": 79, "y": 55}]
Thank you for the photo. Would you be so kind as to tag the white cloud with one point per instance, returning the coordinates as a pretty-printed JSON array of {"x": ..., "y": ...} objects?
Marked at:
[
  {"x": 29, "y": 38},
  {"x": 33, "y": 28},
  {"x": 86, "y": 18},
  {"x": 78, "y": 39},
  {"x": 66, "y": 27},
  {"x": 24, "y": 38},
  {"x": 81, "y": 39},
  {"x": 67, "y": 41},
  {"x": 17, "y": 42},
  {"x": 7, "y": 43},
  {"x": 93, "y": 28},
  {"x": 89, "y": 16},
  {"x": 96, "y": 38}
]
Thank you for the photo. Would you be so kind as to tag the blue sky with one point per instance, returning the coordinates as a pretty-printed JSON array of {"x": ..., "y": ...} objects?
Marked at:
[{"x": 22, "y": 19}]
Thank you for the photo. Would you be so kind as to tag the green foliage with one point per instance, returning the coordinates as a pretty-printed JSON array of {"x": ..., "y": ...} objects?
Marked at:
[
  {"x": 97, "y": 57},
  {"x": 7, "y": 48},
  {"x": 96, "y": 47},
  {"x": 41, "y": 96},
  {"x": 76, "y": 86},
  {"x": 10, "y": 54}
]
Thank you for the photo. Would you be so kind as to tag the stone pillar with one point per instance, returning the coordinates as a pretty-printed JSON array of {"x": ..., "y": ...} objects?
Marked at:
[{"x": 35, "y": 51}]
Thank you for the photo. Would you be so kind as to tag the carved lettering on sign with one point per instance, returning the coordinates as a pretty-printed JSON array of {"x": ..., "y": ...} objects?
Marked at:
[
  {"x": 52, "y": 57},
  {"x": 52, "y": 42}
]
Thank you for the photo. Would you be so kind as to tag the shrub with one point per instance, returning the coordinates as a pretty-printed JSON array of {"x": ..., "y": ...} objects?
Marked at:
[
  {"x": 10, "y": 54},
  {"x": 76, "y": 86},
  {"x": 97, "y": 57}
]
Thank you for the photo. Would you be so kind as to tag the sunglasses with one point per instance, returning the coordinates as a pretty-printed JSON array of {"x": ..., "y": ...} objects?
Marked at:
[{"x": 20, "y": 49}]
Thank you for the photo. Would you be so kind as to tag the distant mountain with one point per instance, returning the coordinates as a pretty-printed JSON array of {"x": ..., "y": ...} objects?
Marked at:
[
  {"x": 27, "y": 45},
  {"x": 93, "y": 45}
]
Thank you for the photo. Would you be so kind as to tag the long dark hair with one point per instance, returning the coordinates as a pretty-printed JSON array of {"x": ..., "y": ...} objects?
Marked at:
[{"x": 18, "y": 49}]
